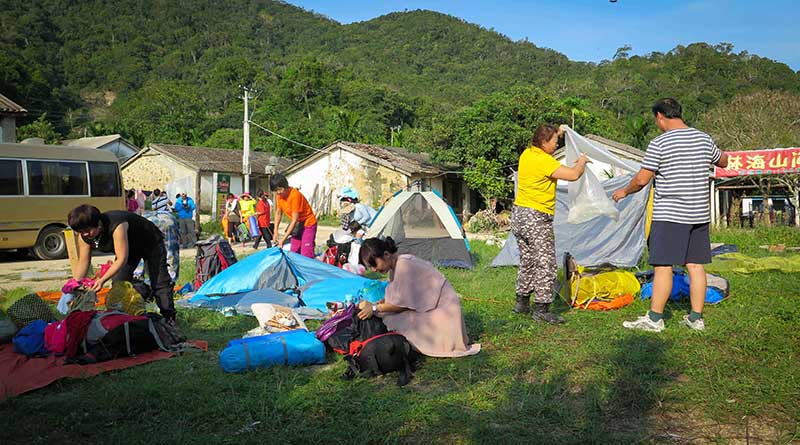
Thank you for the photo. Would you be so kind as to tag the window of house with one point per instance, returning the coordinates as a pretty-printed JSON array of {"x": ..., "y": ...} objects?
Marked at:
[
  {"x": 57, "y": 178},
  {"x": 11, "y": 177},
  {"x": 105, "y": 178}
]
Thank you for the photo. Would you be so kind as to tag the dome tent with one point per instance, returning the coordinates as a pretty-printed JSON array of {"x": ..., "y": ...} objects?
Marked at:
[{"x": 423, "y": 225}]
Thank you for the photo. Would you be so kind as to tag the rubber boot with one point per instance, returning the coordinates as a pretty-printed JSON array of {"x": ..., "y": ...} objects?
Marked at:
[
  {"x": 541, "y": 312},
  {"x": 523, "y": 304}
]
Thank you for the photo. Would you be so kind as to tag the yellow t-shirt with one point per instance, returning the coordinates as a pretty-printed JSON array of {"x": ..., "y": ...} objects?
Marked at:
[{"x": 535, "y": 188}]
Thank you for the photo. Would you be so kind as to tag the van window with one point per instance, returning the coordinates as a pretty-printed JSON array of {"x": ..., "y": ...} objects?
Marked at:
[
  {"x": 105, "y": 178},
  {"x": 11, "y": 177},
  {"x": 57, "y": 178}
]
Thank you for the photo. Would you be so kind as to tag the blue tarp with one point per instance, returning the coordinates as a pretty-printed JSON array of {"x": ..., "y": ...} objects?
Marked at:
[
  {"x": 279, "y": 270},
  {"x": 241, "y": 303}
]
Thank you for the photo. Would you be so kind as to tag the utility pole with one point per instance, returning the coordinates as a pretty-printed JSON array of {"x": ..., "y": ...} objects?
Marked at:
[{"x": 246, "y": 153}]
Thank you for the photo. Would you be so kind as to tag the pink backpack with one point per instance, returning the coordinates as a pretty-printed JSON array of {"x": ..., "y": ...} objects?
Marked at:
[{"x": 55, "y": 337}]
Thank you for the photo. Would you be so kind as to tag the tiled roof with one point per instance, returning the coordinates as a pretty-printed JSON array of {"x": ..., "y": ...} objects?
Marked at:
[
  {"x": 394, "y": 158},
  {"x": 218, "y": 159},
  {"x": 8, "y": 106}
]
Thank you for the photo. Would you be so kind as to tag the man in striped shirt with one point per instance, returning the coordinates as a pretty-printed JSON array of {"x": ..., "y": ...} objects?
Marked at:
[
  {"x": 680, "y": 161},
  {"x": 160, "y": 202}
]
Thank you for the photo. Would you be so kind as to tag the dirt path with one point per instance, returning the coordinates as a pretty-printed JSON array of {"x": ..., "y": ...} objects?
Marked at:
[{"x": 50, "y": 275}]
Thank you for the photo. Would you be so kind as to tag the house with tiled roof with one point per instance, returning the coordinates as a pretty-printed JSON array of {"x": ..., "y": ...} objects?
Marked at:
[
  {"x": 376, "y": 172},
  {"x": 9, "y": 113},
  {"x": 200, "y": 172}
]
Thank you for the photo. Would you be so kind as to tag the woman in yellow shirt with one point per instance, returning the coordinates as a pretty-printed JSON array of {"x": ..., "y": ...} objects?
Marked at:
[{"x": 532, "y": 221}]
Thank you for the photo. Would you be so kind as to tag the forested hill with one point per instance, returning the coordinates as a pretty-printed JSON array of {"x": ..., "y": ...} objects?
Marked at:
[{"x": 170, "y": 71}]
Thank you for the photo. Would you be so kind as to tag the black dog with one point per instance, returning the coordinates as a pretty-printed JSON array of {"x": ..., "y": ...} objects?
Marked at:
[
  {"x": 372, "y": 351},
  {"x": 380, "y": 355}
]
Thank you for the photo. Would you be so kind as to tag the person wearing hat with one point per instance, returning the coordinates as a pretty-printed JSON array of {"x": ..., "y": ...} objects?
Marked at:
[{"x": 351, "y": 210}]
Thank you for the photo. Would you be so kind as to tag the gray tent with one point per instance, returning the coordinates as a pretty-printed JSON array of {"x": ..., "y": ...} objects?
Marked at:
[
  {"x": 423, "y": 225},
  {"x": 600, "y": 240}
]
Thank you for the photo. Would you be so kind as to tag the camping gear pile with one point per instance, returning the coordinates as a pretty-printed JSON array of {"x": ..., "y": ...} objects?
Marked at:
[
  {"x": 87, "y": 336},
  {"x": 598, "y": 289}
]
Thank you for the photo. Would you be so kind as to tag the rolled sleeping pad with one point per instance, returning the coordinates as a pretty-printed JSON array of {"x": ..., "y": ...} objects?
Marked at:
[
  {"x": 297, "y": 347},
  {"x": 253, "y": 226}
]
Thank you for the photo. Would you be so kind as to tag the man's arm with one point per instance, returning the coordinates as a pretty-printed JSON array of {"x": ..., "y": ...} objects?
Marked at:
[
  {"x": 637, "y": 183},
  {"x": 723, "y": 161}
]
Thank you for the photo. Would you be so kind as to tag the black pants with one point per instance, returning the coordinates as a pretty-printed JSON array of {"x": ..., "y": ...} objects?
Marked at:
[
  {"x": 160, "y": 281},
  {"x": 266, "y": 235}
]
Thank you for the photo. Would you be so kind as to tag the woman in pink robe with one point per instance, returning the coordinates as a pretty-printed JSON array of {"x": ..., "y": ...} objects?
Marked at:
[{"x": 419, "y": 303}]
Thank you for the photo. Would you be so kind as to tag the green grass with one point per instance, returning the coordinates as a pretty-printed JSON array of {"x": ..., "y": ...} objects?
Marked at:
[
  {"x": 589, "y": 381},
  {"x": 329, "y": 220}
]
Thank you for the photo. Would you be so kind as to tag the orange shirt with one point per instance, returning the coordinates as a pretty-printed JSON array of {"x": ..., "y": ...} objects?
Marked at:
[{"x": 296, "y": 202}]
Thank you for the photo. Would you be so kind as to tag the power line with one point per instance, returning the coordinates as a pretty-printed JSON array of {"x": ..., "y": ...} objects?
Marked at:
[{"x": 287, "y": 139}]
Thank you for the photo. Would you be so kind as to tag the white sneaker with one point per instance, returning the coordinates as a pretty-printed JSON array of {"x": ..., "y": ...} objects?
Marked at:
[
  {"x": 644, "y": 323},
  {"x": 697, "y": 325}
]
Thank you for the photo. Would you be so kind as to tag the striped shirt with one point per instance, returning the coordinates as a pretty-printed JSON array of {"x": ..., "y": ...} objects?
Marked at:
[
  {"x": 681, "y": 160},
  {"x": 160, "y": 204}
]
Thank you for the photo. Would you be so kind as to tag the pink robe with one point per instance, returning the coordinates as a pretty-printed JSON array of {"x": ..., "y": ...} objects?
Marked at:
[{"x": 433, "y": 322}]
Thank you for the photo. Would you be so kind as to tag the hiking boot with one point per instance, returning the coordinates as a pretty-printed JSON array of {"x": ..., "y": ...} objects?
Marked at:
[
  {"x": 541, "y": 312},
  {"x": 523, "y": 304},
  {"x": 644, "y": 323},
  {"x": 697, "y": 325}
]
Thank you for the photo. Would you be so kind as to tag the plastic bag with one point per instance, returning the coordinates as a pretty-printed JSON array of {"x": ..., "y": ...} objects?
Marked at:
[
  {"x": 123, "y": 297},
  {"x": 586, "y": 197}
]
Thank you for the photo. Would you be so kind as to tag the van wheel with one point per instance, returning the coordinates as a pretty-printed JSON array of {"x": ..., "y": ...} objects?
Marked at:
[{"x": 51, "y": 244}]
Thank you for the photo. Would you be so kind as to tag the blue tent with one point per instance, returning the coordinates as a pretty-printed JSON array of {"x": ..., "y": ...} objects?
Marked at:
[{"x": 283, "y": 271}]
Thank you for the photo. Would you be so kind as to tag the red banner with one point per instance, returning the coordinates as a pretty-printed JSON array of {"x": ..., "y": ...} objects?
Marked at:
[{"x": 760, "y": 162}]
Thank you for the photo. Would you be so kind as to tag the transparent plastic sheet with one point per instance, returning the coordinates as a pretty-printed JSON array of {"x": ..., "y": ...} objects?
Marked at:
[{"x": 586, "y": 197}]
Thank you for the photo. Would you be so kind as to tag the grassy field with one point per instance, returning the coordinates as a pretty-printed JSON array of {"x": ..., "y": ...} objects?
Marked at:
[{"x": 589, "y": 381}]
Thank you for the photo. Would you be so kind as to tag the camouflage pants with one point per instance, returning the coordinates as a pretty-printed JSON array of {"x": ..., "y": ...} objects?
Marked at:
[{"x": 537, "y": 253}]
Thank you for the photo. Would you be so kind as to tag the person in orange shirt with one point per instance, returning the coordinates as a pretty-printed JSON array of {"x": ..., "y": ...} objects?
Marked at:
[{"x": 302, "y": 223}]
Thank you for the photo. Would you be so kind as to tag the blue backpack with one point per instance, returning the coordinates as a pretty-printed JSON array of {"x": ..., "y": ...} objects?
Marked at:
[{"x": 30, "y": 339}]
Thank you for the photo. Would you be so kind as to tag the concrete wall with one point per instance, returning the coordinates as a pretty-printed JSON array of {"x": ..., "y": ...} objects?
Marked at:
[
  {"x": 329, "y": 173},
  {"x": 153, "y": 170},
  {"x": 8, "y": 130}
]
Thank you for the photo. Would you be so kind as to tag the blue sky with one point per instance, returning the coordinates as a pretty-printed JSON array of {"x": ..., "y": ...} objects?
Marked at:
[{"x": 592, "y": 30}]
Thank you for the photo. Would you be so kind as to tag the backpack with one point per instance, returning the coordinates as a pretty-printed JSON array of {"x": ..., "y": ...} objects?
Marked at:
[
  {"x": 337, "y": 331},
  {"x": 30, "y": 339},
  {"x": 337, "y": 253},
  {"x": 115, "y": 334},
  {"x": 213, "y": 256}
]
